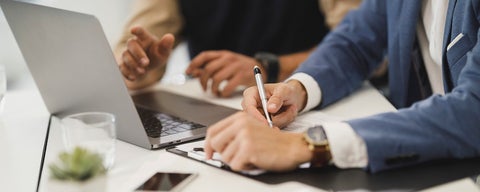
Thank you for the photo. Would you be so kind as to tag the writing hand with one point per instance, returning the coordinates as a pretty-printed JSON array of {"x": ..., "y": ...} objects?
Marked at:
[
  {"x": 246, "y": 143},
  {"x": 284, "y": 102}
]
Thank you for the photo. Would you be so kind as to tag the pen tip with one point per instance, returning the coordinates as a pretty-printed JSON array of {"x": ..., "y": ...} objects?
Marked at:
[{"x": 256, "y": 69}]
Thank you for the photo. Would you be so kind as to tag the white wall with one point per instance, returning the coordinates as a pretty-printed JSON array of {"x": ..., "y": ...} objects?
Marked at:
[{"x": 111, "y": 13}]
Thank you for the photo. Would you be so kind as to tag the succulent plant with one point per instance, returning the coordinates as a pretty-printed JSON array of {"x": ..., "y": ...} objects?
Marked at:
[{"x": 78, "y": 165}]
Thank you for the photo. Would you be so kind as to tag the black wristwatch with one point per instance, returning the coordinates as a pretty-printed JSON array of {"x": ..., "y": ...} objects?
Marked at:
[{"x": 269, "y": 62}]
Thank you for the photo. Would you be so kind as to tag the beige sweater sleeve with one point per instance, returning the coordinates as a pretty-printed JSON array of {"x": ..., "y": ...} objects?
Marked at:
[
  {"x": 335, "y": 10},
  {"x": 156, "y": 16}
]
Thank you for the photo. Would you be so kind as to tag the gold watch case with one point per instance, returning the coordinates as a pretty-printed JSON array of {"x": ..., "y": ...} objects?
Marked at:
[{"x": 318, "y": 144}]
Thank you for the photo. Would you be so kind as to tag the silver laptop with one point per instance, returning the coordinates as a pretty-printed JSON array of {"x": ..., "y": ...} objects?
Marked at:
[{"x": 75, "y": 71}]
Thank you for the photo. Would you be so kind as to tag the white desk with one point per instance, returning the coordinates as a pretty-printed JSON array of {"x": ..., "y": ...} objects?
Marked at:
[
  {"x": 135, "y": 164},
  {"x": 23, "y": 129}
]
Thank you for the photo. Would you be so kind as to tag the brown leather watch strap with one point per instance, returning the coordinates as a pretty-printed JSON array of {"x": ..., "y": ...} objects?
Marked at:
[{"x": 321, "y": 155}]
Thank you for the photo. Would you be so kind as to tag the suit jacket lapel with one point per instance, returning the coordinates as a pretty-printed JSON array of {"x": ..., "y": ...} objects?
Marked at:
[{"x": 447, "y": 81}]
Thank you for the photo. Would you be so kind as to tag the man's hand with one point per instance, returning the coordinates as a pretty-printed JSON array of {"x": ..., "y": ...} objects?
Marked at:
[
  {"x": 247, "y": 143},
  {"x": 145, "y": 53},
  {"x": 219, "y": 66},
  {"x": 284, "y": 102}
]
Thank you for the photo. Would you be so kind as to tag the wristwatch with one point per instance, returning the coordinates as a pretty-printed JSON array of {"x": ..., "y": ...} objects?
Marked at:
[
  {"x": 269, "y": 62},
  {"x": 318, "y": 145}
]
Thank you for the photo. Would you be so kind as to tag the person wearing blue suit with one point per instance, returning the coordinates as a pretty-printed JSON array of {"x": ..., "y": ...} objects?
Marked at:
[{"x": 434, "y": 79}]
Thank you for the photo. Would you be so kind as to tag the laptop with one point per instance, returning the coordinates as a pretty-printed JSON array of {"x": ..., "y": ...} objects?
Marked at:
[{"x": 75, "y": 71}]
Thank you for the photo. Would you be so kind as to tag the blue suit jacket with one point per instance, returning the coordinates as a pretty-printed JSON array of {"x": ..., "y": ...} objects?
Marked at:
[{"x": 437, "y": 127}]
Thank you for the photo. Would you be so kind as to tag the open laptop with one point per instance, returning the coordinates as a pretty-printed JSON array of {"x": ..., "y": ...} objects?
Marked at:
[{"x": 74, "y": 69}]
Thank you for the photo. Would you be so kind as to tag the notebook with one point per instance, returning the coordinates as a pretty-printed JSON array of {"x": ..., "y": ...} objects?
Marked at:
[{"x": 75, "y": 71}]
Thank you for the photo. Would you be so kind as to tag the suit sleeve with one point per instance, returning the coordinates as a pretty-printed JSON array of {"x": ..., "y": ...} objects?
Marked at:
[
  {"x": 439, "y": 127},
  {"x": 348, "y": 55}
]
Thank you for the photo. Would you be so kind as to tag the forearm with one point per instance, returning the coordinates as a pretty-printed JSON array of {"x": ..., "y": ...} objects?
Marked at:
[{"x": 335, "y": 10}]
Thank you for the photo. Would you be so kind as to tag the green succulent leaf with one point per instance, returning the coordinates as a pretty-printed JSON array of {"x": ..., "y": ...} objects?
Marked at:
[{"x": 79, "y": 165}]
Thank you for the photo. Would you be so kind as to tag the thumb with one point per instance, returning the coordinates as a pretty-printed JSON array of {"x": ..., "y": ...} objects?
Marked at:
[
  {"x": 165, "y": 44},
  {"x": 276, "y": 101}
]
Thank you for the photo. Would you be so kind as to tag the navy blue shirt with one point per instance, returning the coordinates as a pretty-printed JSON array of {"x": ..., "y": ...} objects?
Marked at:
[{"x": 251, "y": 26}]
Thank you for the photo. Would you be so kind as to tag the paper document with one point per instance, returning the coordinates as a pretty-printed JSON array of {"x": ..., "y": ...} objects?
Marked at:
[
  {"x": 216, "y": 159},
  {"x": 195, "y": 149},
  {"x": 310, "y": 119}
]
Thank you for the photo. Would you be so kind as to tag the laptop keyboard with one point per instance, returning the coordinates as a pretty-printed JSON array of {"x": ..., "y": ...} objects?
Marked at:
[{"x": 160, "y": 124}]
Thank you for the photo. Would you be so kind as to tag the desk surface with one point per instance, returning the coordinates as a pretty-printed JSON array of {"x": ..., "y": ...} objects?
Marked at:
[
  {"x": 26, "y": 117},
  {"x": 134, "y": 164},
  {"x": 23, "y": 129}
]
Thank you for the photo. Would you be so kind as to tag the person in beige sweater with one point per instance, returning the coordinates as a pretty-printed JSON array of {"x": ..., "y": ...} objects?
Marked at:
[{"x": 226, "y": 38}]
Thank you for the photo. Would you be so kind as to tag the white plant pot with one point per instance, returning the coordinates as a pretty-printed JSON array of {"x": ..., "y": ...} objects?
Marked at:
[{"x": 92, "y": 185}]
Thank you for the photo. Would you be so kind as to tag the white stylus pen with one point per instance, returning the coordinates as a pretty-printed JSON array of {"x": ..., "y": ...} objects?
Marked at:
[{"x": 263, "y": 95}]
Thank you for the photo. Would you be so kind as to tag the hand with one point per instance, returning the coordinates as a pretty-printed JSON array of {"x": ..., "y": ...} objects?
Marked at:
[
  {"x": 144, "y": 53},
  {"x": 218, "y": 66},
  {"x": 284, "y": 102},
  {"x": 246, "y": 143}
]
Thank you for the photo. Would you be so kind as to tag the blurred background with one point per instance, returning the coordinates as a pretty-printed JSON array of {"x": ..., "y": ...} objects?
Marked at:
[{"x": 112, "y": 15}]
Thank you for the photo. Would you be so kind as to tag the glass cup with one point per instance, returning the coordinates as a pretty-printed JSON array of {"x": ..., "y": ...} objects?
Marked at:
[
  {"x": 477, "y": 181},
  {"x": 94, "y": 131},
  {"x": 3, "y": 86}
]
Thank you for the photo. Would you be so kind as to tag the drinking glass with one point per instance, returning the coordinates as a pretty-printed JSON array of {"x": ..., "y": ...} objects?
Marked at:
[
  {"x": 94, "y": 131},
  {"x": 3, "y": 86}
]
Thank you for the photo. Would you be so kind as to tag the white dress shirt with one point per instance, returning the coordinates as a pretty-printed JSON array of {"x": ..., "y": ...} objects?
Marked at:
[{"x": 347, "y": 148}]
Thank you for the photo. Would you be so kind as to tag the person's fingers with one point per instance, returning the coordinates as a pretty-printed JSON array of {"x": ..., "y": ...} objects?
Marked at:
[
  {"x": 231, "y": 86},
  {"x": 241, "y": 161},
  {"x": 235, "y": 153},
  {"x": 222, "y": 139},
  {"x": 230, "y": 150},
  {"x": 138, "y": 54},
  {"x": 208, "y": 148},
  {"x": 131, "y": 64},
  {"x": 212, "y": 131},
  {"x": 143, "y": 36},
  {"x": 204, "y": 80},
  {"x": 201, "y": 59},
  {"x": 209, "y": 70},
  {"x": 165, "y": 45},
  {"x": 251, "y": 102},
  {"x": 196, "y": 73},
  {"x": 126, "y": 72},
  {"x": 244, "y": 156},
  {"x": 278, "y": 97},
  {"x": 285, "y": 116},
  {"x": 220, "y": 71},
  {"x": 203, "y": 67}
]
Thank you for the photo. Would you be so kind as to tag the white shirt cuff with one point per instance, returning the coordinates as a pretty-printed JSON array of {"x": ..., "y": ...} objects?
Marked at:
[
  {"x": 347, "y": 148},
  {"x": 314, "y": 93}
]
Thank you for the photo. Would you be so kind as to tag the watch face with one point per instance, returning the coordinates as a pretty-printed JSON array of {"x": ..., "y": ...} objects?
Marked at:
[{"x": 317, "y": 135}]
